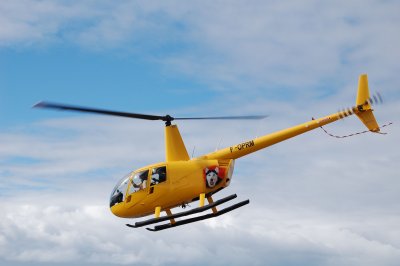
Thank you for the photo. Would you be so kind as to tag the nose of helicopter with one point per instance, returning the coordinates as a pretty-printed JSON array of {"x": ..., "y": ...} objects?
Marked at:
[
  {"x": 117, "y": 203},
  {"x": 117, "y": 210},
  {"x": 118, "y": 196}
]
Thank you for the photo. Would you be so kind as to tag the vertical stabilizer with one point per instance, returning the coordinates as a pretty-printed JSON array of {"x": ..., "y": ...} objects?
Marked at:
[{"x": 363, "y": 90}]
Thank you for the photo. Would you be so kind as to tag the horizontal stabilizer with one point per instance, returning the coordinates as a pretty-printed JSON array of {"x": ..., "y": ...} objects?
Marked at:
[{"x": 368, "y": 118}]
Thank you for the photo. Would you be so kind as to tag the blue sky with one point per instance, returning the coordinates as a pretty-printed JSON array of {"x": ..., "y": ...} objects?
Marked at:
[
  {"x": 315, "y": 200},
  {"x": 69, "y": 74}
]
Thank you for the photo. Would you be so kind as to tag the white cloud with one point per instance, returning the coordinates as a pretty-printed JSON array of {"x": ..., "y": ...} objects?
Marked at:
[
  {"x": 227, "y": 44},
  {"x": 43, "y": 233},
  {"x": 31, "y": 22},
  {"x": 273, "y": 44}
]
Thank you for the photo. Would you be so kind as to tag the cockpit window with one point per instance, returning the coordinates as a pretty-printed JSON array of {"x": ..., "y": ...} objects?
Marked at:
[
  {"x": 158, "y": 175},
  {"x": 118, "y": 194},
  {"x": 138, "y": 181}
]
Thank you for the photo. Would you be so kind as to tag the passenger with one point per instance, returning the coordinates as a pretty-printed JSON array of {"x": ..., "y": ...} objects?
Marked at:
[
  {"x": 159, "y": 175},
  {"x": 162, "y": 175}
]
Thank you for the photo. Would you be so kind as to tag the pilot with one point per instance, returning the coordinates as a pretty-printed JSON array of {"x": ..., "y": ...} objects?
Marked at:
[
  {"x": 119, "y": 197},
  {"x": 143, "y": 179}
]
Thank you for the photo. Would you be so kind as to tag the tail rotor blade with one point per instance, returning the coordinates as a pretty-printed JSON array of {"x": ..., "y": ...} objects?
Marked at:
[
  {"x": 379, "y": 97},
  {"x": 375, "y": 99}
]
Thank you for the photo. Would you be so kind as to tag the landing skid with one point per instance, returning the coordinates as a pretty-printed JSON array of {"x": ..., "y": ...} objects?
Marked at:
[{"x": 174, "y": 223}]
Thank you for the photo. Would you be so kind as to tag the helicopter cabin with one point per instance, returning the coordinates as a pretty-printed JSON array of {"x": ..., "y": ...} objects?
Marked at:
[{"x": 168, "y": 185}]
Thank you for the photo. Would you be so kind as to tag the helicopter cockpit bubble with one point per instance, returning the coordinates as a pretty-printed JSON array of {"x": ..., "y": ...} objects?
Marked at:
[
  {"x": 137, "y": 181},
  {"x": 119, "y": 192}
]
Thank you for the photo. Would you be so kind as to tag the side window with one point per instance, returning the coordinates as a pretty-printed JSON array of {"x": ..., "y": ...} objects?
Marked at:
[
  {"x": 158, "y": 175},
  {"x": 138, "y": 181}
]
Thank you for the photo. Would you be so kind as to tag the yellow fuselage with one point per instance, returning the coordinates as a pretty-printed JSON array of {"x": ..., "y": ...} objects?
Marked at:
[{"x": 185, "y": 181}]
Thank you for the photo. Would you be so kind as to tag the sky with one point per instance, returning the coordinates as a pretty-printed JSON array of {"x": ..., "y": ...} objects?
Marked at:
[{"x": 314, "y": 199}]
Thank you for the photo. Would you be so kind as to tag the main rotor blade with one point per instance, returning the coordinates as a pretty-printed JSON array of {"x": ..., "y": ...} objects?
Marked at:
[
  {"x": 166, "y": 118},
  {"x": 245, "y": 117},
  {"x": 97, "y": 111}
]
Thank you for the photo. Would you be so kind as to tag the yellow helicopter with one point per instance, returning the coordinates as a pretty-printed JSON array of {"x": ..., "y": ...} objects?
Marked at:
[{"x": 180, "y": 180}]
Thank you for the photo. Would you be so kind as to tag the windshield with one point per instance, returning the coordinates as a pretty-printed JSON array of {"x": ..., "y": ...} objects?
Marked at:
[
  {"x": 135, "y": 180},
  {"x": 119, "y": 191}
]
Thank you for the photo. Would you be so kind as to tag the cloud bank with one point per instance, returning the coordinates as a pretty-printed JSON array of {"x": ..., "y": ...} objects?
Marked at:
[{"x": 272, "y": 45}]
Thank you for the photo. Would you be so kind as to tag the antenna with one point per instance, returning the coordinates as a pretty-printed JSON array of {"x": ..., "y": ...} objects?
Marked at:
[
  {"x": 219, "y": 143},
  {"x": 258, "y": 128},
  {"x": 194, "y": 148},
  {"x": 357, "y": 133}
]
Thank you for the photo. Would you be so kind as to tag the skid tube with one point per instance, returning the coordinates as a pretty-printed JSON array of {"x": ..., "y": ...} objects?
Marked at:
[{"x": 190, "y": 212}]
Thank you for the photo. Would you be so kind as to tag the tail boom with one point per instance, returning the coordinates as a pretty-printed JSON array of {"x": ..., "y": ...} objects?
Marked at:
[
  {"x": 362, "y": 110},
  {"x": 247, "y": 147}
]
